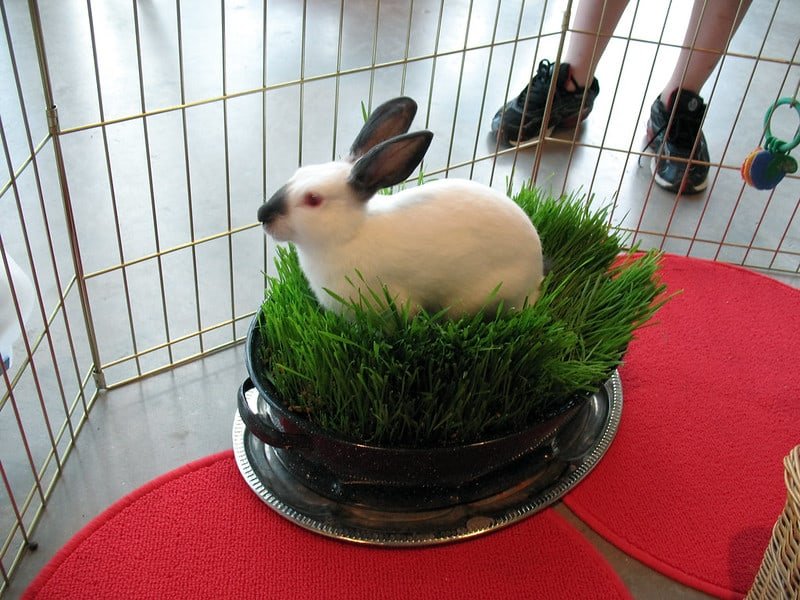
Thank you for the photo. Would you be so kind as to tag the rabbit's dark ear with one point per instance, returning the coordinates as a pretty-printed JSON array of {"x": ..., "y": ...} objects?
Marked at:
[
  {"x": 389, "y": 163},
  {"x": 390, "y": 119}
]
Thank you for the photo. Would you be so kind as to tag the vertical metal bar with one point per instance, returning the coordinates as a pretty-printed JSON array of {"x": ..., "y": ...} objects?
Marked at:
[
  {"x": 150, "y": 185},
  {"x": 433, "y": 62},
  {"x": 5, "y": 575},
  {"x": 48, "y": 233},
  {"x": 15, "y": 300},
  {"x": 302, "y": 84},
  {"x": 668, "y": 127},
  {"x": 649, "y": 194},
  {"x": 264, "y": 46},
  {"x": 111, "y": 186},
  {"x": 729, "y": 224},
  {"x": 548, "y": 103},
  {"x": 613, "y": 98},
  {"x": 226, "y": 137},
  {"x": 514, "y": 48},
  {"x": 458, "y": 87},
  {"x": 672, "y": 117},
  {"x": 337, "y": 83},
  {"x": 485, "y": 89},
  {"x": 264, "y": 196},
  {"x": 772, "y": 193},
  {"x": 29, "y": 498},
  {"x": 18, "y": 308},
  {"x": 634, "y": 136},
  {"x": 758, "y": 226},
  {"x": 407, "y": 47},
  {"x": 18, "y": 418},
  {"x": 52, "y": 119},
  {"x": 187, "y": 162},
  {"x": 710, "y": 98},
  {"x": 374, "y": 53},
  {"x": 14, "y": 508},
  {"x": 779, "y": 245},
  {"x": 742, "y": 188},
  {"x": 713, "y": 185},
  {"x": 548, "y": 107}
]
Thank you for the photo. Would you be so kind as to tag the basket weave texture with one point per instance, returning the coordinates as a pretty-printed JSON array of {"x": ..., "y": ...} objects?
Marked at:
[{"x": 779, "y": 574}]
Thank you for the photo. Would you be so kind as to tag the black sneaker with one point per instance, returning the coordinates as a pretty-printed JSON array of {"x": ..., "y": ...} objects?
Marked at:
[
  {"x": 516, "y": 122},
  {"x": 678, "y": 142}
]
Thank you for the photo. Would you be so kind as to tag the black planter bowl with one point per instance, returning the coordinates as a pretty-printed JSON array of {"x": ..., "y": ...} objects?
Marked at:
[{"x": 389, "y": 478}]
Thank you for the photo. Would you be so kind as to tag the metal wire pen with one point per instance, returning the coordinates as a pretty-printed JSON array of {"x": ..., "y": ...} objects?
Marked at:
[{"x": 181, "y": 121}]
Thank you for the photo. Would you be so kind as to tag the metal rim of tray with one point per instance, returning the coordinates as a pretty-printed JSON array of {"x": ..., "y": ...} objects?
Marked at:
[{"x": 286, "y": 495}]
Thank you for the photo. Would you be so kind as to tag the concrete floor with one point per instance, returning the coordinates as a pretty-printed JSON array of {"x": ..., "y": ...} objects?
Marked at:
[{"x": 139, "y": 198}]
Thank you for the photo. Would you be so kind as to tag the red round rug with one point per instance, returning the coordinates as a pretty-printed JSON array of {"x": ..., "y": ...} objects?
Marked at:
[
  {"x": 693, "y": 482},
  {"x": 200, "y": 532}
]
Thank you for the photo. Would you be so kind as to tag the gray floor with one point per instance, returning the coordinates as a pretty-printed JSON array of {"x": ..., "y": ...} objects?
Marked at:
[{"x": 141, "y": 191}]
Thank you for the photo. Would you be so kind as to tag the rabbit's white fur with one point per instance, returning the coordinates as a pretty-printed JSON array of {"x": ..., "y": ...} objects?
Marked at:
[{"x": 445, "y": 244}]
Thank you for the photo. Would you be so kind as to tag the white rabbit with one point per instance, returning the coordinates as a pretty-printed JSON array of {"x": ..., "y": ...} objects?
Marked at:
[{"x": 445, "y": 244}]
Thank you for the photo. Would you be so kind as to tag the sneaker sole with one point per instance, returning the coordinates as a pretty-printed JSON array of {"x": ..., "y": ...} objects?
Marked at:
[
  {"x": 566, "y": 124},
  {"x": 530, "y": 141},
  {"x": 675, "y": 187}
]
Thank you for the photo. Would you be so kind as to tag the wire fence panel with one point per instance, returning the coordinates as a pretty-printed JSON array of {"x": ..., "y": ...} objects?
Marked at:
[
  {"x": 47, "y": 388},
  {"x": 139, "y": 139}
]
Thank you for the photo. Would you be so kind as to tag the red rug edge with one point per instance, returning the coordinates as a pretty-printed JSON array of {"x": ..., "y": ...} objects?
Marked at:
[
  {"x": 585, "y": 515},
  {"x": 734, "y": 267},
  {"x": 83, "y": 534},
  {"x": 619, "y": 584},
  {"x": 647, "y": 559}
]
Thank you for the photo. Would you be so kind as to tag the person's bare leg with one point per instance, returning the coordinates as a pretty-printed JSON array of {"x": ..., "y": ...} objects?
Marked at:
[
  {"x": 713, "y": 22},
  {"x": 584, "y": 50}
]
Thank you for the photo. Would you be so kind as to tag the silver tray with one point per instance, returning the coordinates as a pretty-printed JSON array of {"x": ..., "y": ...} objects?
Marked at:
[{"x": 548, "y": 474}]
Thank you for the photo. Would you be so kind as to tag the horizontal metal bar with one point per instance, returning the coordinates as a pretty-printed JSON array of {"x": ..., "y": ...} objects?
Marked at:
[
  {"x": 38, "y": 341},
  {"x": 7, "y": 186},
  {"x": 768, "y": 59},
  {"x": 722, "y": 244},
  {"x": 48, "y": 488},
  {"x": 180, "y": 363},
  {"x": 178, "y": 340},
  {"x": 184, "y": 246},
  {"x": 357, "y": 70},
  {"x": 285, "y": 84},
  {"x": 533, "y": 143}
]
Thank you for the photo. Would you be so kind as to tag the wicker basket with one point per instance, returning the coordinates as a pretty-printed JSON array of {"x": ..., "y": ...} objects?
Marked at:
[{"x": 779, "y": 575}]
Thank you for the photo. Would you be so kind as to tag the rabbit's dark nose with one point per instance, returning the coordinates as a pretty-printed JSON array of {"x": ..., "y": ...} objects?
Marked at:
[{"x": 274, "y": 207}]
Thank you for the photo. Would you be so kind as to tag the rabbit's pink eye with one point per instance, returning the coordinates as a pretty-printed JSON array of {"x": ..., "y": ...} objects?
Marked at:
[{"x": 312, "y": 199}]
